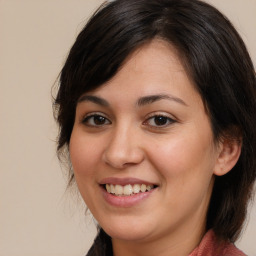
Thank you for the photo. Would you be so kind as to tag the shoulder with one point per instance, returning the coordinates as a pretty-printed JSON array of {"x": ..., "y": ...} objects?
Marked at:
[
  {"x": 231, "y": 250},
  {"x": 211, "y": 246}
]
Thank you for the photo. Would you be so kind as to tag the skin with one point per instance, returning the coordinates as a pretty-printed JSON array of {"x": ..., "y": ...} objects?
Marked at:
[{"x": 180, "y": 157}]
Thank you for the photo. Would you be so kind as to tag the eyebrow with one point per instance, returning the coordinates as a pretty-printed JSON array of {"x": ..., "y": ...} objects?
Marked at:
[
  {"x": 153, "y": 98},
  {"x": 94, "y": 99},
  {"x": 141, "y": 101}
]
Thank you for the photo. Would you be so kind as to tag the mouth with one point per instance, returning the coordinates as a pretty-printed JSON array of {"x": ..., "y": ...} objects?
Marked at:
[{"x": 127, "y": 190}]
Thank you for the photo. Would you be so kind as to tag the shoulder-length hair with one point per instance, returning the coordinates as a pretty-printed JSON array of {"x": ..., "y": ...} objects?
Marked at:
[{"x": 216, "y": 60}]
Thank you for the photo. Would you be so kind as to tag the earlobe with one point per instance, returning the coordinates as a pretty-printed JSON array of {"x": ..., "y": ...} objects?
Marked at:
[{"x": 229, "y": 153}]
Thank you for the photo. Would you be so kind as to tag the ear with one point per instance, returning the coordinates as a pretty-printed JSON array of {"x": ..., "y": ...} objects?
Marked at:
[{"x": 228, "y": 155}]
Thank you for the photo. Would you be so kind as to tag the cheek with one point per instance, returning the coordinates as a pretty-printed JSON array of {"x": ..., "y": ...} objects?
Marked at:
[
  {"x": 183, "y": 156},
  {"x": 84, "y": 155},
  {"x": 185, "y": 167}
]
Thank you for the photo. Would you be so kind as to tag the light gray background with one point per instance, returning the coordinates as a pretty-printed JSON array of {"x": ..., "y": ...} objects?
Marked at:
[{"x": 37, "y": 217}]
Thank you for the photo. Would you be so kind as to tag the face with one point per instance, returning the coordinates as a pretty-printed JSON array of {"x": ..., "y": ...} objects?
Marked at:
[{"x": 142, "y": 149}]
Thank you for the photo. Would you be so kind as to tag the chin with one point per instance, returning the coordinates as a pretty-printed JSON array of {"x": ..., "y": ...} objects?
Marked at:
[{"x": 127, "y": 232}]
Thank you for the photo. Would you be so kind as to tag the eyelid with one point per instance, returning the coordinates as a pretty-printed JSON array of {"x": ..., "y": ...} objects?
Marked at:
[
  {"x": 92, "y": 114},
  {"x": 171, "y": 119},
  {"x": 96, "y": 113},
  {"x": 159, "y": 113}
]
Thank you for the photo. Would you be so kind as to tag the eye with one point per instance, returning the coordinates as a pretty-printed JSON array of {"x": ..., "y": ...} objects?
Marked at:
[
  {"x": 95, "y": 120},
  {"x": 159, "y": 121}
]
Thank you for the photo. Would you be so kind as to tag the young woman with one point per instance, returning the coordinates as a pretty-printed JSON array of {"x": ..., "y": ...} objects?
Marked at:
[{"x": 157, "y": 113}]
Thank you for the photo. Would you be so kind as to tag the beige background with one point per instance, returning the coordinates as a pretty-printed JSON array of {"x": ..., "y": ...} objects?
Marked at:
[{"x": 37, "y": 217}]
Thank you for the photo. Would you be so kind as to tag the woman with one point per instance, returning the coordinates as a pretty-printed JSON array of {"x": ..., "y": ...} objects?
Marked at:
[{"x": 157, "y": 112}]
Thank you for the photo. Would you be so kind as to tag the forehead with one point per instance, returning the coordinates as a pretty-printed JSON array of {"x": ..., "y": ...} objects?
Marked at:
[
  {"x": 159, "y": 52},
  {"x": 152, "y": 69}
]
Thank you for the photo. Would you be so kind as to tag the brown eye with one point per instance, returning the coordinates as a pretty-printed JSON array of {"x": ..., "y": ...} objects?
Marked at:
[
  {"x": 159, "y": 121},
  {"x": 99, "y": 120},
  {"x": 96, "y": 120}
]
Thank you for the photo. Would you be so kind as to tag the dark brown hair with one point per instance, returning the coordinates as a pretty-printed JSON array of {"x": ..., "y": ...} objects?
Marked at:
[{"x": 216, "y": 60}]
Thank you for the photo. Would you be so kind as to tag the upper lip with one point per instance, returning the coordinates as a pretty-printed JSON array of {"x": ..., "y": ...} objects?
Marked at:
[{"x": 124, "y": 181}]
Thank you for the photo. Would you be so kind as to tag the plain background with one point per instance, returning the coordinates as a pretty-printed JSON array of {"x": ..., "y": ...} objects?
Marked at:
[{"x": 37, "y": 217}]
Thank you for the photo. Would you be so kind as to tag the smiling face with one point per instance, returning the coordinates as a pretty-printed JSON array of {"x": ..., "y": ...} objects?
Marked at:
[{"x": 145, "y": 129}]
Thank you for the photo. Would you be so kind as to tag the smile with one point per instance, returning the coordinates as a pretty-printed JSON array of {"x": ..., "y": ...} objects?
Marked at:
[{"x": 127, "y": 190}]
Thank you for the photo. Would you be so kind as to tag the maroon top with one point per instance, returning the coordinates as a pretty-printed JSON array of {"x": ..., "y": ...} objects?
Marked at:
[{"x": 210, "y": 246}]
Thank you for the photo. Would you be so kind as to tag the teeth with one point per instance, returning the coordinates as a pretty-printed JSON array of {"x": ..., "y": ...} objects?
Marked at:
[
  {"x": 127, "y": 190},
  {"x": 112, "y": 189},
  {"x": 119, "y": 190},
  {"x": 149, "y": 187},
  {"x": 143, "y": 188},
  {"x": 136, "y": 188}
]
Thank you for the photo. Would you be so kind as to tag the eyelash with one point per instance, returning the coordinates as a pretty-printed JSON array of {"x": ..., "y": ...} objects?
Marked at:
[
  {"x": 90, "y": 117},
  {"x": 86, "y": 120},
  {"x": 166, "y": 118}
]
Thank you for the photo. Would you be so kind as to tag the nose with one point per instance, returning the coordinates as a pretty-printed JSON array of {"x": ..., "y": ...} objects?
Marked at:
[{"x": 123, "y": 149}]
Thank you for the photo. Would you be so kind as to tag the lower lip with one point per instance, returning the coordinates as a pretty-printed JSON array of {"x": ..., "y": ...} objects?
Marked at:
[{"x": 126, "y": 201}]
